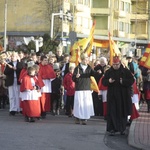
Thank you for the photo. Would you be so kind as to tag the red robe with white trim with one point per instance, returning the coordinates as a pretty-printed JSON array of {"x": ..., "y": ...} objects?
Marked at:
[
  {"x": 22, "y": 74},
  {"x": 46, "y": 72},
  {"x": 31, "y": 108}
]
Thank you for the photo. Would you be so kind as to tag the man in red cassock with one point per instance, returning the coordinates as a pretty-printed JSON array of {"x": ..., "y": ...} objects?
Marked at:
[{"x": 47, "y": 73}]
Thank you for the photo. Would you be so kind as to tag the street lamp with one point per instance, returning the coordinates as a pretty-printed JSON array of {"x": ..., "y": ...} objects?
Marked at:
[{"x": 67, "y": 15}]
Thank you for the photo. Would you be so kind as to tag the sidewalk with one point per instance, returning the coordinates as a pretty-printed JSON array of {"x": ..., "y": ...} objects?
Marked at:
[{"x": 139, "y": 132}]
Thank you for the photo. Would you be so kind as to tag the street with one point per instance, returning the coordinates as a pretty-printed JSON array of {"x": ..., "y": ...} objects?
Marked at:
[{"x": 57, "y": 133}]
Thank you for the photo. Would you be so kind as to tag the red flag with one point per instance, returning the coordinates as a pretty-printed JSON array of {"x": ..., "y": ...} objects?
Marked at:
[{"x": 145, "y": 60}]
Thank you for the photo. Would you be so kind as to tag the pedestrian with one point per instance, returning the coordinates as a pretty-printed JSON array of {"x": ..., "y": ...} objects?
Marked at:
[
  {"x": 100, "y": 101},
  {"x": 103, "y": 93},
  {"x": 3, "y": 88},
  {"x": 147, "y": 89},
  {"x": 46, "y": 72},
  {"x": 69, "y": 86},
  {"x": 12, "y": 72},
  {"x": 57, "y": 90},
  {"x": 59, "y": 53},
  {"x": 30, "y": 93},
  {"x": 83, "y": 102},
  {"x": 119, "y": 104}
]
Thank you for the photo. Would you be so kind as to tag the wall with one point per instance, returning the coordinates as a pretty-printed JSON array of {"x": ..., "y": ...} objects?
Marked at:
[{"x": 23, "y": 15}]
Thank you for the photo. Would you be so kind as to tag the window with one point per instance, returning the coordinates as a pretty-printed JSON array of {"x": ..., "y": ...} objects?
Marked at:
[
  {"x": 127, "y": 28},
  {"x": 127, "y": 7},
  {"x": 116, "y": 5},
  {"x": 121, "y": 26},
  {"x": 87, "y": 3},
  {"x": 122, "y": 6},
  {"x": 115, "y": 25},
  {"x": 80, "y": 1}
]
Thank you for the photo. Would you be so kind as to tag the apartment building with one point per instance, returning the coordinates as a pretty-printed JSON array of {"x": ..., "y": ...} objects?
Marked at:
[{"x": 126, "y": 20}]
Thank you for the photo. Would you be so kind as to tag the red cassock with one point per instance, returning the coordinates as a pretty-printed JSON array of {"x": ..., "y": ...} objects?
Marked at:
[
  {"x": 46, "y": 72},
  {"x": 22, "y": 74},
  {"x": 102, "y": 87},
  {"x": 30, "y": 97},
  {"x": 39, "y": 81},
  {"x": 135, "y": 113}
]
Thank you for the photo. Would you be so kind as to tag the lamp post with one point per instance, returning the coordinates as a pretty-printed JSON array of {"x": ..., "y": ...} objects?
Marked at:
[
  {"x": 68, "y": 16},
  {"x": 52, "y": 22}
]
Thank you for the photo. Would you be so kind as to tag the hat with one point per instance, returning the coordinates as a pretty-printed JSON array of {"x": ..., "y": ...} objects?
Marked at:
[
  {"x": 129, "y": 54},
  {"x": 116, "y": 59},
  {"x": 30, "y": 63},
  {"x": 60, "y": 47},
  {"x": 56, "y": 66}
]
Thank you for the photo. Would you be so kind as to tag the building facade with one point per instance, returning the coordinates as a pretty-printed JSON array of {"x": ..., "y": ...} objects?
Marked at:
[{"x": 126, "y": 20}]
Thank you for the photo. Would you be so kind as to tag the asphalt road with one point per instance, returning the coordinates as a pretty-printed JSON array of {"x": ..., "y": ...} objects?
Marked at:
[{"x": 56, "y": 133}]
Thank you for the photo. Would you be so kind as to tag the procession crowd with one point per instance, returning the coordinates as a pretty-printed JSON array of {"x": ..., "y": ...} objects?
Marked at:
[{"x": 35, "y": 84}]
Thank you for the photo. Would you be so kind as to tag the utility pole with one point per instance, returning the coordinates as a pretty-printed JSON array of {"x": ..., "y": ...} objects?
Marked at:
[
  {"x": 148, "y": 20},
  {"x": 5, "y": 25}
]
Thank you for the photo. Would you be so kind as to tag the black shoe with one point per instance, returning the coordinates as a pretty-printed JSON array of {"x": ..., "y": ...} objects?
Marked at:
[
  {"x": 26, "y": 119},
  {"x": 43, "y": 115},
  {"x": 12, "y": 113},
  {"x": 77, "y": 121},
  {"x": 31, "y": 119},
  {"x": 84, "y": 122},
  {"x": 20, "y": 112},
  {"x": 112, "y": 133},
  {"x": 70, "y": 115},
  {"x": 122, "y": 133}
]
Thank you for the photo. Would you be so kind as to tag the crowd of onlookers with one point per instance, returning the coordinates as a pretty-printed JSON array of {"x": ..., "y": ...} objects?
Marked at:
[{"x": 35, "y": 84}]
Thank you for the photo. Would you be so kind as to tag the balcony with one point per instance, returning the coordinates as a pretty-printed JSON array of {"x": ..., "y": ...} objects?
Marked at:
[
  {"x": 139, "y": 36},
  {"x": 118, "y": 33},
  {"x": 139, "y": 16},
  {"x": 80, "y": 29},
  {"x": 136, "y": 0},
  {"x": 100, "y": 11},
  {"x": 121, "y": 14},
  {"x": 101, "y": 32},
  {"x": 82, "y": 8}
]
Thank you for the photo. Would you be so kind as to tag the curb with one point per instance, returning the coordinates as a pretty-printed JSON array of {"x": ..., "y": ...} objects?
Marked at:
[{"x": 131, "y": 140}]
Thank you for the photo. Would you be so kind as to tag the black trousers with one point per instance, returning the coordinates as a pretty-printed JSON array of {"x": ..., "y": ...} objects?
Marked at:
[
  {"x": 56, "y": 101},
  {"x": 69, "y": 104}
]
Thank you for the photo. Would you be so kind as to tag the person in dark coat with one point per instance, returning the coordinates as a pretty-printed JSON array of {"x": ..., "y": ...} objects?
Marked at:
[
  {"x": 12, "y": 72},
  {"x": 98, "y": 100},
  {"x": 146, "y": 85},
  {"x": 57, "y": 91},
  {"x": 119, "y": 104}
]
